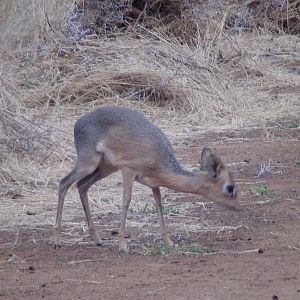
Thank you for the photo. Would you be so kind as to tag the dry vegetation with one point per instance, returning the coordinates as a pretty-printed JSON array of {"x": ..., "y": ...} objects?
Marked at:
[{"x": 183, "y": 63}]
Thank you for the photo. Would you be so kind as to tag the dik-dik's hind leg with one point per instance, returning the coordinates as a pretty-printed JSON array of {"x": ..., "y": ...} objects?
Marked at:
[
  {"x": 83, "y": 186},
  {"x": 164, "y": 231},
  {"x": 80, "y": 171}
]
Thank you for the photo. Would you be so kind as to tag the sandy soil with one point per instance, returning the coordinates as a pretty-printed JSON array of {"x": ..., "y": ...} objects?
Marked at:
[{"x": 269, "y": 224}]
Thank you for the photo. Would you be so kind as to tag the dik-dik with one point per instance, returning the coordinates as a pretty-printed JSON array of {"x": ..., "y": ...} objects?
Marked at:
[{"x": 114, "y": 138}]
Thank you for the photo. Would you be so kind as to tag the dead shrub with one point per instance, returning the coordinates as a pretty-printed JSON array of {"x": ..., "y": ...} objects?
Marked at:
[
  {"x": 147, "y": 87},
  {"x": 273, "y": 15},
  {"x": 22, "y": 136},
  {"x": 187, "y": 20},
  {"x": 172, "y": 18}
]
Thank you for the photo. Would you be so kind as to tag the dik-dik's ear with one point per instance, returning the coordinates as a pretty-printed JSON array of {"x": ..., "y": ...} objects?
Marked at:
[{"x": 211, "y": 163}]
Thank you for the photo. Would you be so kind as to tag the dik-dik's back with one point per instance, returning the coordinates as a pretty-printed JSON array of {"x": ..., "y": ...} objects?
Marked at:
[{"x": 125, "y": 137}]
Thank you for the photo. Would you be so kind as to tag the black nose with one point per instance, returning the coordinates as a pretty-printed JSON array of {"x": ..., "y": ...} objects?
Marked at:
[{"x": 230, "y": 188}]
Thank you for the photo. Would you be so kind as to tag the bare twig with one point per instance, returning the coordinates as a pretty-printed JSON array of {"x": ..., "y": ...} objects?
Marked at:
[
  {"x": 84, "y": 281},
  {"x": 73, "y": 262}
]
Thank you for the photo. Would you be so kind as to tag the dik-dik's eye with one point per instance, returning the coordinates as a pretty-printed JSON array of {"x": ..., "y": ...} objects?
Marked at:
[{"x": 215, "y": 176}]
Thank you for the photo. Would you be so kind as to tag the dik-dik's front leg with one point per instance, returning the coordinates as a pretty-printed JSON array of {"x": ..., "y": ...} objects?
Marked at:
[
  {"x": 128, "y": 178},
  {"x": 164, "y": 231}
]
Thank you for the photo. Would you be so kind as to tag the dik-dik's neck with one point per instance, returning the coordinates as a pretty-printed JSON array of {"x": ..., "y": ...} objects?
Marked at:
[{"x": 187, "y": 183}]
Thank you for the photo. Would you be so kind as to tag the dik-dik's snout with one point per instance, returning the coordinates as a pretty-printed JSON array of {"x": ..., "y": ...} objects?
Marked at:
[
  {"x": 231, "y": 200},
  {"x": 230, "y": 191}
]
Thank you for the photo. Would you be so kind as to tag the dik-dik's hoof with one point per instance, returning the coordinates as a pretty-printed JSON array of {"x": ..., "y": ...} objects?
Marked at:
[
  {"x": 56, "y": 240},
  {"x": 169, "y": 242},
  {"x": 123, "y": 249},
  {"x": 99, "y": 243},
  {"x": 95, "y": 237}
]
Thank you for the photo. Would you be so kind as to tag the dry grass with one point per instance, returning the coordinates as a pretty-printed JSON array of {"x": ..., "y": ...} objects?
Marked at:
[
  {"x": 25, "y": 21},
  {"x": 221, "y": 79}
]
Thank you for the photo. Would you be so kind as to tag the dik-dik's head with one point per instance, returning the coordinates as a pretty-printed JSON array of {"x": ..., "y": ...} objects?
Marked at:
[{"x": 220, "y": 186}]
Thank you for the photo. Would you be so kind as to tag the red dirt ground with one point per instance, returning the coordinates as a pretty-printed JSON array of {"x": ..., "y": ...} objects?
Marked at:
[{"x": 32, "y": 269}]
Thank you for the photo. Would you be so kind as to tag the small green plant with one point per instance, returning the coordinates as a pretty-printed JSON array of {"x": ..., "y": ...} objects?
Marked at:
[
  {"x": 297, "y": 162},
  {"x": 146, "y": 209},
  {"x": 158, "y": 249},
  {"x": 149, "y": 209},
  {"x": 275, "y": 200},
  {"x": 260, "y": 190},
  {"x": 289, "y": 125},
  {"x": 171, "y": 211},
  {"x": 195, "y": 249},
  {"x": 152, "y": 209},
  {"x": 161, "y": 249}
]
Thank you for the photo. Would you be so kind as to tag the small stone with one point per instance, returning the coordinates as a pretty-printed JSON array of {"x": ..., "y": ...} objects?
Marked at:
[
  {"x": 30, "y": 213},
  {"x": 275, "y": 297},
  {"x": 260, "y": 250},
  {"x": 31, "y": 269}
]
